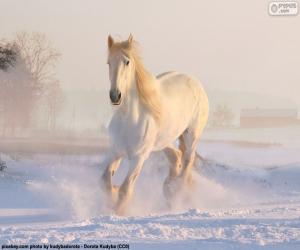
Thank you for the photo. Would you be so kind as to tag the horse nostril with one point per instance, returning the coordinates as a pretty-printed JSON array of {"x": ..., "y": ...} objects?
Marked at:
[
  {"x": 111, "y": 95},
  {"x": 115, "y": 96}
]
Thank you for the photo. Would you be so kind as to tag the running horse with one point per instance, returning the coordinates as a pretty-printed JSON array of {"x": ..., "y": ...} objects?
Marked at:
[{"x": 151, "y": 114}]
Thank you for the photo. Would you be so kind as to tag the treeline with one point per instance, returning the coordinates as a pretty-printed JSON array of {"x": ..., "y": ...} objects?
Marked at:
[{"x": 29, "y": 88}]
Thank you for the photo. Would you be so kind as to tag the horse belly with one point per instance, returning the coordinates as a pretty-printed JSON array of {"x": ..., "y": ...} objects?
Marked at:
[
  {"x": 174, "y": 124},
  {"x": 180, "y": 101}
]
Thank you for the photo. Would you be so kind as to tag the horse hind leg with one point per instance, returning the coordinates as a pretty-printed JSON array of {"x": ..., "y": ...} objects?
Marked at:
[
  {"x": 182, "y": 147},
  {"x": 189, "y": 139},
  {"x": 174, "y": 156}
]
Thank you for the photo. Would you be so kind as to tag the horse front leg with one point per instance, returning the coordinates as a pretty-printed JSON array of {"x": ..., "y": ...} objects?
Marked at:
[
  {"x": 127, "y": 187},
  {"x": 112, "y": 164}
]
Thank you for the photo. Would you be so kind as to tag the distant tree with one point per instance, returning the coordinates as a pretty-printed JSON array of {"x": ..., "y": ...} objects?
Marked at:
[
  {"x": 8, "y": 56},
  {"x": 16, "y": 100},
  {"x": 2, "y": 164},
  {"x": 27, "y": 70},
  {"x": 40, "y": 58},
  {"x": 222, "y": 116},
  {"x": 54, "y": 101}
]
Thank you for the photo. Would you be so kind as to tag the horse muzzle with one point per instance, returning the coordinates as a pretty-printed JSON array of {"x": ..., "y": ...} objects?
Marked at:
[{"x": 115, "y": 96}]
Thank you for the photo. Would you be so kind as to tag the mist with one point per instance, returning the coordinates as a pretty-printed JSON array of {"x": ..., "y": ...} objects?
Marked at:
[{"x": 241, "y": 54}]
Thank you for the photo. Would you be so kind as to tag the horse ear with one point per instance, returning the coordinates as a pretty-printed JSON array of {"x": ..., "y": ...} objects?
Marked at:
[
  {"x": 110, "y": 41},
  {"x": 130, "y": 39}
]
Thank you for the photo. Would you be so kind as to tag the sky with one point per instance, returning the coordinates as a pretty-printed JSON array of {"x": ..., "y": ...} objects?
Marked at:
[{"x": 233, "y": 46}]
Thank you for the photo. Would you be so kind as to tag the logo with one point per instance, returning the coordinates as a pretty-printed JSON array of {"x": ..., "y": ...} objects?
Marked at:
[{"x": 283, "y": 8}]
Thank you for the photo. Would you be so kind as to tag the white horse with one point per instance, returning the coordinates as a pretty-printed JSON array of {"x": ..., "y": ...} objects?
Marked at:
[{"x": 151, "y": 114}]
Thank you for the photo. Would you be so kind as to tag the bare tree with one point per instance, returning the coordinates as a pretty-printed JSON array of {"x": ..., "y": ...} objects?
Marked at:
[
  {"x": 54, "y": 100},
  {"x": 28, "y": 69},
  {"x": 15, "y": 94},
  {"x": 40, "y": 58}
]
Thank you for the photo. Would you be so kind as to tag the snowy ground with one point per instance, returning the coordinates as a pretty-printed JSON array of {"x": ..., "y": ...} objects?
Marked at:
[{"x": 247, "y": 196}]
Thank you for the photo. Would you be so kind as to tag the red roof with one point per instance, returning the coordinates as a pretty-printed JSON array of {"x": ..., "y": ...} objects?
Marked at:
[{"x": 269, "y": 113}]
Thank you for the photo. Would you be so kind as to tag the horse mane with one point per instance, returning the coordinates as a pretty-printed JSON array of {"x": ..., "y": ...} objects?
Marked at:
[{"x": 145, "y": 82}]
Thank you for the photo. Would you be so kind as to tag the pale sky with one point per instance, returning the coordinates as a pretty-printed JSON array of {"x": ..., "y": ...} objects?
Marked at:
[{"x": 227, "y": 45}]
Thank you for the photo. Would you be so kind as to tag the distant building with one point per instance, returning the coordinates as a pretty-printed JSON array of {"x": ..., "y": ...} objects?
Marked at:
[{"x": 255, "y": 118}]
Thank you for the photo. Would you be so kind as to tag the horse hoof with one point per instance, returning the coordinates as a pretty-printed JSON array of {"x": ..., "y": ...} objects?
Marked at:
[
  {"x": 171, "y": 187},
  {"x": 180, "y": 186},
  {"x": 111, "y": 194},
  {"x": 114, "y": 193},
  {"x": 191, "y": 183},
  {"x": 121, "y": 205}
]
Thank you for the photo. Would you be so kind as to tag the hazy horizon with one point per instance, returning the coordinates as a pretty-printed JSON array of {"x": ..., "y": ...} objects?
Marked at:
[{"x": 229, "y": 46}]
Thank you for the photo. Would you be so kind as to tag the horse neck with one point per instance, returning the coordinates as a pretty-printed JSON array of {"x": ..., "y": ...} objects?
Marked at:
[{"x": 132, "y": 106}]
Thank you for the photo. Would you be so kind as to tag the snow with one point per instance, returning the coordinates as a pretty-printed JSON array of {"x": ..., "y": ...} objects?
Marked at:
[
  {"x": 245, "y": 197},
  {"x": 193, "y": 228}
]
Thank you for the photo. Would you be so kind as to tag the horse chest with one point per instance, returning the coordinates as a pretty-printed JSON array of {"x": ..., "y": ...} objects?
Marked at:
[{"x": 130, "y": 137}]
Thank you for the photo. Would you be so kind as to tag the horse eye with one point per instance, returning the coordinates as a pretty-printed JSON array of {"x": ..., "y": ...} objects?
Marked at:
[{"x": 127, "y": 62}]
